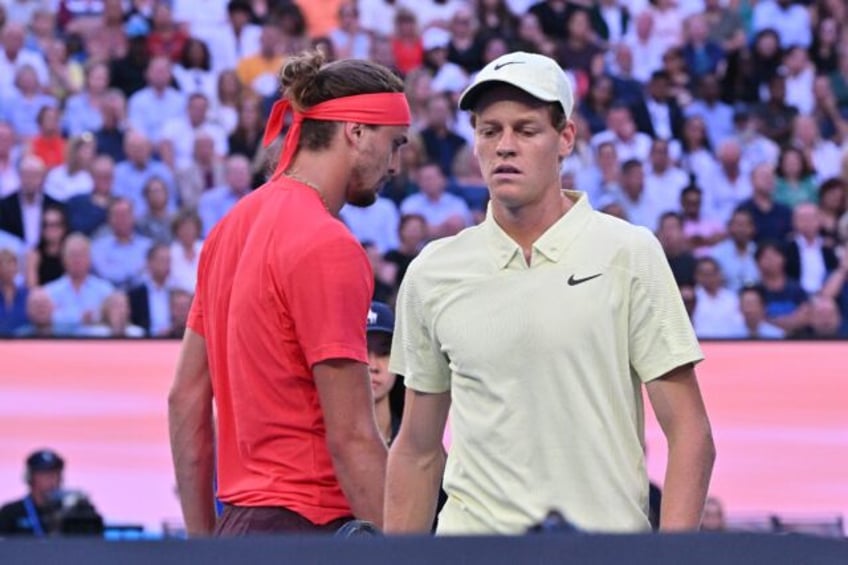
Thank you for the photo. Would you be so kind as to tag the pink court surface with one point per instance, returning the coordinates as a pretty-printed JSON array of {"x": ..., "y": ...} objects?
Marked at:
[{"x": 779, "y": 413}]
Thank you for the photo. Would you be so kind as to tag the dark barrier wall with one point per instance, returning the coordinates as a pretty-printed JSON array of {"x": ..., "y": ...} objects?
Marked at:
[{"x": 704, "y": 549}]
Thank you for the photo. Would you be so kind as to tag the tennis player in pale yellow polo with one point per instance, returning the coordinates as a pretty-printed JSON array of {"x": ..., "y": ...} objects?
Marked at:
[{"x": 536, "y": 331}]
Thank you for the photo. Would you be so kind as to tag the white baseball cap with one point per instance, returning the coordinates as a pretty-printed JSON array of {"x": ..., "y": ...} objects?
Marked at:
[{"x": 539, "y": 76}]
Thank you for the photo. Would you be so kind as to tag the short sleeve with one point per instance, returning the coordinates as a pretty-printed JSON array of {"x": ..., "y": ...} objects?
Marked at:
[
  {"x": 328, "y": 293},
  {"x": 195, "y": 314},
  {"x": 416, "y": 353},
  {"x": 661, "y": 337}
]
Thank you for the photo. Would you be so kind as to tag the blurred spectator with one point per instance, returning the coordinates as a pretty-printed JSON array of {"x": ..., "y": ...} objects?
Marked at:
[
  {"x": 775, "y": 114},
  {"x": 418, "y": 89},
  {"x": 702, "y": 55},
  {"x": 13, "y": 295},
  {"x": 19, "y": 11},
  {"x": 132, "y": 174},
  {"x": 531, "y": 36},
  {"x": 448, "y": 77},
  {"x": 690, "y": 301},
  {"x": 77, "y": 296},
  {"x": 412, "y": 233},
  {"x": 788, "y": 18},
  {"x": 446, "y": 214},
  {"x": 752, "y": 305},
  {"x": 23, "y": 104},
  {"x": 785, "y": 300},
  {"x": 553, "y": 16},
  {"x": 673, "y": 242},
  {"x": 725, "y": 24},
  {"x": 73, "y": 178},
  {"x": 111, "y": 29},
  {"x": 597, "y": 102},
  {"x": 647, "y": 49},
  {"x": 247, "y": 136},
  {"x": 697, "y": 156},
  {"x": 193, "y": 73},
  {"x": 14, "y": 56},
  {"x": 468, "y": 182},
  {"x": 773, "y": 220},
  {"x": 680, "y": 79},
  {"x": 701, "y": 232},
  {"x": 180, "y": 304},
  {"x": 659, "y": 115},
  {"x": 796, "y": 179},
  {"x": 259, "y": 71},
  {"x": 118, "y": 254},
  {"x": 579, "y": 52},
  {"x": 156, "y": 223},
  {"x": 828, "y": 110},
  {"x": 152, "y": 106},
  {"x": 166, "y": 37},
  {"x": 735, "y": 255},
  {"x": 822, "y": 155},
  {"x": 664, "y": 179},
  {"x": 21, "y": 211},
  {"x": 713, "y": 519},
  {"x": 238, "y": 38},
  {"x": 382, "y": 53},
  {"x": 128, "y": 73},
  {"x": 799, "y": 73},
  {"x": 214, "y": 204},
  {"x": 668, "y": 23},
  {"x": 621, "y": 131},
  {"x": 756, "y": 148},
  {"x": 150, "y": 301},
  {"x": 66, "y": 75},
  {"x": 833, "y": 197},
  {"x": 406, "y": 42},
  {"x": 642, "y": 207},
  {"x": 377, "y": 223},
  {"x": 39, "y": 312},
  {"x": 826, "y": 321},
  {"x": 441, "y": 142},
  {"x": 384, "y": 274},
  {"x": 717, "y": 307},
  {"x": 115, "y": 319},
  {"x": 110, "y": 137},
  {"x": 9, "y": 155},
  {"x": 87, "y": 212},
  {"x": 824, "y": 50},
  {"x": 48, "y": 144},
  {"x": 465, "y": 45},
  {"x": 377, "y": 17},
  {"x": 178, "y": 133},
  {"x": 808, "y": 260},
  {"x": 611, "y": 20},
  {"x": 603, "y": 179},
  {"x": 349, "y": 40},
  {"x": 225, "y": 112},
  {"x": 44, "y": 262},
  {"x": 83, "y": 111},
  {"x": 185, "y": 250},
  {"x": 716, "y": 115},
  {"x": 204, "y": 172}
]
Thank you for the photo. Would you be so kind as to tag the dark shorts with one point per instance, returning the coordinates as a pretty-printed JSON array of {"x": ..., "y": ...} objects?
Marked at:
[{"x": 237, "y": 521}]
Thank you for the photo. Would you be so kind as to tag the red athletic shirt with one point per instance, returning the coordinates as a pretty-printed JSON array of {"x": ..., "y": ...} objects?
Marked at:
[{"x": 281, "y": 285}]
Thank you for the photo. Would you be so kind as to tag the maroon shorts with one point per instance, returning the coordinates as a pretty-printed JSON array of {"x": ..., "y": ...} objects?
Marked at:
[{"x": 236, "y": 521}]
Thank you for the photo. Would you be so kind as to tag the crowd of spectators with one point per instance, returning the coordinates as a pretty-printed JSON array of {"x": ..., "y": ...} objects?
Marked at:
[{"x": 129, "y": 128}]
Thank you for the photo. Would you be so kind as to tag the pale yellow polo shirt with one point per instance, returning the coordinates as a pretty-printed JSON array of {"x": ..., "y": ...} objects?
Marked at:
[{"x": 545, "y": 365}]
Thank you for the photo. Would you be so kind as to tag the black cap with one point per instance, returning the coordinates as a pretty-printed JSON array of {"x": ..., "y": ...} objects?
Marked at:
[
  {"x": 44, "y": 460},
  {"x": 380, "y": 318}
]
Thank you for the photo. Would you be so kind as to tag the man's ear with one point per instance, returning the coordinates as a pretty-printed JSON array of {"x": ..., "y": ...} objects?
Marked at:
[{"x": 353, "y": 132}]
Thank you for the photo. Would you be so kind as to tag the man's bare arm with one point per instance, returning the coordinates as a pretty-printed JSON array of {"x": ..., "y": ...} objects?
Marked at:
[
  {"x": 353, "y": 438},
  {"x": 680, "y": 411},
  {"x": 416, "y": 464},
  {"x": 192, "y": 435}
]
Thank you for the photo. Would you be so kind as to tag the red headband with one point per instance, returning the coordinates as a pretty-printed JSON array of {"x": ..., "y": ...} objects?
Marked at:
[{"x": 382, "y": 109}]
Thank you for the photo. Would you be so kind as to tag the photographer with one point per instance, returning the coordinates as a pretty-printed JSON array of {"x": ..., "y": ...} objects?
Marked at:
[{"x": 47, "y": 509}]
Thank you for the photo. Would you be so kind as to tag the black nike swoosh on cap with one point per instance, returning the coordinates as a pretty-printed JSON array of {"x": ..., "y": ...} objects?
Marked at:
[{"x": 499, "y": 66}]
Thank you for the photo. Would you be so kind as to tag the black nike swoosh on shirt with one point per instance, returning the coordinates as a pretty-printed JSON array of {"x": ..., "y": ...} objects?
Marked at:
[
  {"x": 502, "y": 65},
  {"x": 574, "y": 282}
]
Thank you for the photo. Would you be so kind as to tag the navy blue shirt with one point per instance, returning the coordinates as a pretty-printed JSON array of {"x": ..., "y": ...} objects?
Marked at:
[{"x": 13, "y": 316}]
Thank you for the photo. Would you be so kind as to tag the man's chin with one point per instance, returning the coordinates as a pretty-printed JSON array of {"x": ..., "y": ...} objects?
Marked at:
[{"x": 364, "y": 198}]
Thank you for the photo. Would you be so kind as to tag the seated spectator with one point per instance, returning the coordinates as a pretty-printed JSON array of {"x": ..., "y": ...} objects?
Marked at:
[
  {"x": 465, "y": 47},
  {"x": 384, "y": 274},
  {"x": 664, "y": 179},
  {"x": 621, "y": 131},
  {"x": 215, "y": 204},
  {"x": 258, "y": 71},
  {"x": 822, "y": 155},
  {"x": 772, "y": 220},
  {"x": 796, "y": 179},
  {"x": 193, "y": 73},
  {"x": 9, "y": 156},
  {"x": 118, "y": 254},
  {"x": 735, "y": 255},
  {"x": 48, "y": 144},
  {"x": 229, "y": 91},
  {"x": 152, "y": 106},
  {"x": 717, "y": 307},
  {"x": 627, "y": 91},
  {"x": 205, "y": 172},
  {"x": 702, "y": 55},
  {"x": 13, "y": 296},
  {"x": 246, "y": 138},
  {"x": 659, "y": 114},
  {"x": 785, "y": 300},
  {"x": 703, "y": 233},
  {"x": 166, "y": 37},
  {"x": 44, "y": 262},
  {"x": 180, "y": 304},
  {"x": 21, "y": 106},
  {"x": 446, "y": 214},
  {"x": 115, "y": 319},
  {"x": 349, "y": 40},
  {"x": 756, "y": 147},
  {"x": 77, "y": 296},
  {"x": 377, "y": 223},
  {"x": 601, "y": 181},
  {"x": 730, "y": 183},
  {"x": 83, "y": 111},
  {"x": 531, "y": 37},
  {"x": 808, "y": 260},
  {"x": 178, "y": 134},
  {"x": 73, "y": 177},
  {"x": 39, "y": 314},
  {"x": 14, "y": 56},
  {"x": 448, "y": 77},
  {"x": 752, "y": 306},
  {"x": 185, "y": 250},
  {"x": 716, "y": 115},
  {"x": 674, "y": 244},
  {"x": 597, "y": 102},
  {"x": 128, "y": 72},
  {"x": 131, "y": 175},
  {"x": 646, "y": 47},
  {"x": 412, "y": 233},
  {"x": 826, "y": 321},
  {"x": 406, "y": 41},
  {"x": 641, "y": 207},
  {"x": 21, "y": 211},
  {"x": 156, "y": 224},
  {"x": 441, "y": 142},
  {"x": 696, "y": 157},
  {"x": 87, "y": 213},
  {"x": 833, "y": 201},
  {"x": 150, "y": 300},
  {"x": 110, "y": 136},
  {"x": 468, "y": 182},
  {"x": 580, "y": 52},
  {"x": 789, "y": 19},
  {"x": 775, "y": 114}
]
